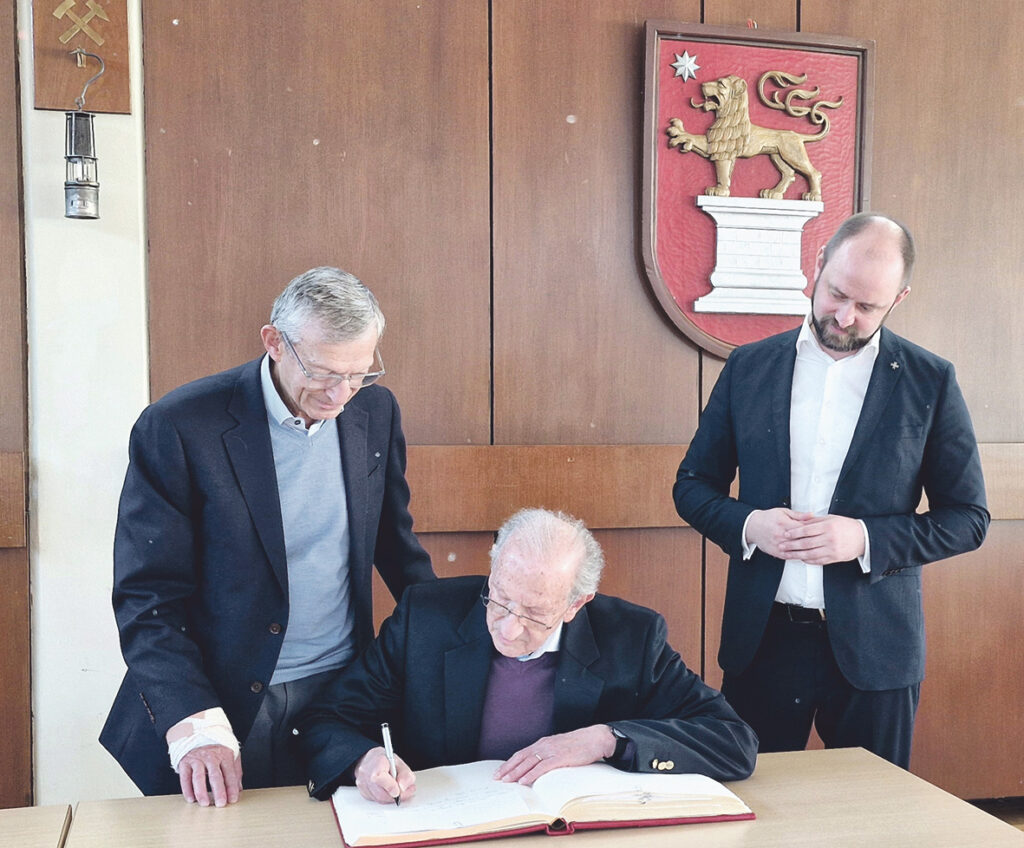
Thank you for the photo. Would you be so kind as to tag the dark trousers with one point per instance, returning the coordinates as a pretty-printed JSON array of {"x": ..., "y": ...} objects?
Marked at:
[
  {"x": 794, "y": 682},
  {"x": 268, "y": 753}
]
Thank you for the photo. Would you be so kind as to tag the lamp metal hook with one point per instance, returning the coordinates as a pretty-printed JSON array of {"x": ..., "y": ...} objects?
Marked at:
[{"x": 78, "y": 52}]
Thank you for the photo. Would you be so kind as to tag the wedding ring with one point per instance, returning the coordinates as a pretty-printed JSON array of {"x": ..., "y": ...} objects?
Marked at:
[{"x": 539, "y": 757}]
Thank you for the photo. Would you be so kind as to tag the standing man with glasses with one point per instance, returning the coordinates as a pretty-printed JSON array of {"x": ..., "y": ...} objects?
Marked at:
[
  {"x": 528, "y": 666},
  {"x": 256, "y": 504}
]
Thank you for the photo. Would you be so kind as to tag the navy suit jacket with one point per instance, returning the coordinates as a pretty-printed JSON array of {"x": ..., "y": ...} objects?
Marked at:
[
  {"x": 200, "y": 574},
  {"x": 426, "y": 674},
  {"x": 914, "y": 434}
]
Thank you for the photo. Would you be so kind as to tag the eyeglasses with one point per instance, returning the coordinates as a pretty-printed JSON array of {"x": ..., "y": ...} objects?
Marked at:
[
  {"x": 329, "y": 381},
  {"x": 500, "y": 610}
]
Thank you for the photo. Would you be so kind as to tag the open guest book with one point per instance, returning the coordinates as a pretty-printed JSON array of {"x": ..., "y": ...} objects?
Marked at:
[{"x": 464, "y": 803}]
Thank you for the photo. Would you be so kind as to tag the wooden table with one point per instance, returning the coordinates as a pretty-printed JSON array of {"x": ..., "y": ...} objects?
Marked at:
[
  {"x": 35, "y": 827},
  {"x": 824, "y": 799}
]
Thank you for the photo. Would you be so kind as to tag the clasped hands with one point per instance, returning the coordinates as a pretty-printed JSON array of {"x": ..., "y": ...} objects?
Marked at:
[
  {"x": 576, "y": 748},
  {"x": 814, "y": 539}
]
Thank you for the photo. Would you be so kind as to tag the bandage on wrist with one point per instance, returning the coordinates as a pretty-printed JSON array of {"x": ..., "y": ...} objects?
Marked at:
[{"x": 209, "y": 727}]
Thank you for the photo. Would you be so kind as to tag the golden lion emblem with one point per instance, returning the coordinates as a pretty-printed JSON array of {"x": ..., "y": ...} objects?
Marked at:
[{"x": 732, "y": 136}]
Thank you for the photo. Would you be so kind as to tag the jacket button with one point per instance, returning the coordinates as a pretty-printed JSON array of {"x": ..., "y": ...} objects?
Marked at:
[
  {"x": 654, "y": 763},
  {"x": 256, "y": 687},
  {"x": 275, "y": 628}
]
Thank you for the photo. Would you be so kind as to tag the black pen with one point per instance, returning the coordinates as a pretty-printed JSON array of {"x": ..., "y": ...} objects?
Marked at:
[{"x": 389, "y": 752}]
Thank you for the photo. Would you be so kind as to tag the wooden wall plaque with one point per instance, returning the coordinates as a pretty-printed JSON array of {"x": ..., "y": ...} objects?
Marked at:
[{"x": 95, "y": 26}]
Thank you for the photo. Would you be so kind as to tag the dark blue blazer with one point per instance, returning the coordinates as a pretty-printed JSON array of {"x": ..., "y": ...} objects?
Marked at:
[
  {"x": 427, "y": 675},
  {"x": 914, "y": 434},
  {"x": 200, "y": 576}
]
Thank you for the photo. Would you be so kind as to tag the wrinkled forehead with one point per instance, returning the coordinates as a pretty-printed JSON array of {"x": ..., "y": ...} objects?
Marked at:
[{"x": 541, "y": 581}]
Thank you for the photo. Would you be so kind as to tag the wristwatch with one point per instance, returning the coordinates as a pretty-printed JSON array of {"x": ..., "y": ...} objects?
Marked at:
[{"x": 621, "y": 741}]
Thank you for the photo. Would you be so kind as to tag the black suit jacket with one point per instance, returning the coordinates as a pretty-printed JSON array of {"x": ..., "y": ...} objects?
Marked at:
[
  {"x": 200, "y": 575},
  {"x": 914, "y": 434},
  {"x": 427, "y": 671}
]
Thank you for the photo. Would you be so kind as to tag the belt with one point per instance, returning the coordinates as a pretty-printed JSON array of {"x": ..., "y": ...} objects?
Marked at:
[{"x": 798, "y": 614}]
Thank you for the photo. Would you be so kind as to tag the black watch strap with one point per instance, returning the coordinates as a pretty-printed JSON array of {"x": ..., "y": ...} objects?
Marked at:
[{"x": 621, "y": 741}]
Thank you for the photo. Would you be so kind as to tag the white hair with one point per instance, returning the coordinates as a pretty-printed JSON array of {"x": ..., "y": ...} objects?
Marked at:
[{"x": 540, "y": 531}]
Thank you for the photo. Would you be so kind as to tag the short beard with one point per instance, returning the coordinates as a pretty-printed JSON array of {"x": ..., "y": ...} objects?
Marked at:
[{"x": 839, "y": 342}]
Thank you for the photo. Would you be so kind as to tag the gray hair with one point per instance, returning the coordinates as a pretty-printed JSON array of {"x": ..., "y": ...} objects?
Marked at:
[
  {"x": 342, "y": 307},
  {"x": 856, "y": 224},
  {"x": 540, "y": 531}
]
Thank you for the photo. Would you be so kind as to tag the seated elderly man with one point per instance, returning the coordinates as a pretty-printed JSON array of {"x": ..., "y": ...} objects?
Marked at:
[{"x": 528, "y": 666}]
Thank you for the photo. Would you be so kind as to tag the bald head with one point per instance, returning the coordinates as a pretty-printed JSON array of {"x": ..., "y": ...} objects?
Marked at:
[{"x": 888, "y": 232}]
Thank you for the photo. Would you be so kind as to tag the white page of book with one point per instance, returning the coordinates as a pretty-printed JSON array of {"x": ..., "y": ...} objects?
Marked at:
[
  {"x": 446, "y": 798},
  {"x": 563, "y": 785}
]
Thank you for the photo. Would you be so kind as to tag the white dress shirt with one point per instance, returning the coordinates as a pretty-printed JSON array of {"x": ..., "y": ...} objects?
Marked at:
[{"x": 825, "y": 405}]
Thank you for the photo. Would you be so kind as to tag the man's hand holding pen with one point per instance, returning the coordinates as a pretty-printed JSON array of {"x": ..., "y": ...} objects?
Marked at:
[{"x": 374, "y": 780}]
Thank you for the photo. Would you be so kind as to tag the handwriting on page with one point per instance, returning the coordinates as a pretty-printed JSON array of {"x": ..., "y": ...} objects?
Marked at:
[
  {"x": 434, "y": 808},
  {"x": 467, "y": 806}
]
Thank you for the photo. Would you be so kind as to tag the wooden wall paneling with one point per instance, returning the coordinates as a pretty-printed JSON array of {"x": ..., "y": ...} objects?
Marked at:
[
  {"x": 710, "y": 370},
  {"x": 767, "y": 14},
  {"x": 15, "y": 693},
  {"x": 1004, "y": 481},
  {"x": 459, "y": 488},
  {"x": 968, "y": 737},
  {"x": 13, "y": 500},
  {"x": 57, "y": 78},
  {"x": 947, "y": 161},
  {"x": 452, "y": 554},
  {"x": 582, "y": 352},
  {"x": 660, "y": 569},
  {"x": 459, "y": 554},
  {"x": 13, "y": 415},
  {"x": 716, "y": 571},
  {"x": 606, "y": 486},
  {"x": 280, "y": 137}
]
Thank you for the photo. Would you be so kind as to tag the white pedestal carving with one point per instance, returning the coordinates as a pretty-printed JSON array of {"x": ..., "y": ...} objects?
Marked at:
[{"x": 757, "y": 262}]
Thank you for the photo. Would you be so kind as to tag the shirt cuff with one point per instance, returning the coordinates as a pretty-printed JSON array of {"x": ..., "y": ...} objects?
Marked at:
[
  {"x": 865, "y": 558},
  {"x": 748, "y": 549}
]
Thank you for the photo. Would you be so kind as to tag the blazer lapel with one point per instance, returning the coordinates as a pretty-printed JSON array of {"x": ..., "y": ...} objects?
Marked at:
[
  {"x": 353, "y": 426},
  {"x": 885, "y": 376},
  {"x": 465, "y": 683},
  {"x": 577, "y": 689},
  {"x": 252, "y": 458},
  {"x": 776, "y": 378}
]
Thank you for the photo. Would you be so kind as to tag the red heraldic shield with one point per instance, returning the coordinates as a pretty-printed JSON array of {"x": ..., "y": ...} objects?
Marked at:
[{"x": 756, "y": 148}]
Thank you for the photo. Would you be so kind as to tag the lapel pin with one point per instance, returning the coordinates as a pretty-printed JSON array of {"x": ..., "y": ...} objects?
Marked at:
[{"x": 894, "y": 365}]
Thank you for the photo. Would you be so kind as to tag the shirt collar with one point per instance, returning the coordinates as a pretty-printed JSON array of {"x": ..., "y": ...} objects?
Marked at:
[
  {"x": 277, "y": 410},
  {"x": 807, "y": 342},
  {"x": 552, "y": 643}
]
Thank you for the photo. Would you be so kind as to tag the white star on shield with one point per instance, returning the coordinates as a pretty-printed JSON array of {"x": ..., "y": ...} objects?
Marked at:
[{"x": 686, "y": 66}]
